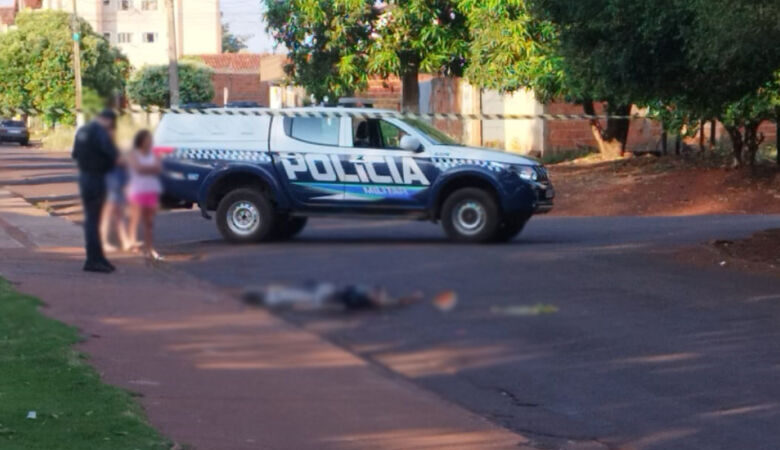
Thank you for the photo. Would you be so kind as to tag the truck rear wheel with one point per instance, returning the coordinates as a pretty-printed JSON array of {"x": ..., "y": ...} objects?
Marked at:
[
  {"x": 245, "y": 215},
  {"x": 470, "y": 215}
]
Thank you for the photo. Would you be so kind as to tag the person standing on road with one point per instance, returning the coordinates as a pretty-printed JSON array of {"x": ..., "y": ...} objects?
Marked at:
[
  {"x": 95, "y": 152},
  {"x": 144, "y": 190}
]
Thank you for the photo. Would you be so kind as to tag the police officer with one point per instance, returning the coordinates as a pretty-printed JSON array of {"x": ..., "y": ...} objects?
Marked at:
[{"x": 96, "y": 154}]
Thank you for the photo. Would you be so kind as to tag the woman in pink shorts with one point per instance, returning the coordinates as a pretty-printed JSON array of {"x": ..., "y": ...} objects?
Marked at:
[{"x": 143, "y": 190}]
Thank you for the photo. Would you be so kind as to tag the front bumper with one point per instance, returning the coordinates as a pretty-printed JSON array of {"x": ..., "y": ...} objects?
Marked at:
[{"x": 545, "y": 194}]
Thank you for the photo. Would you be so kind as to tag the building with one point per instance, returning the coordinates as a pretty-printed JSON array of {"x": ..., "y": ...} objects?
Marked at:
[
  {"x": 236, "y": 77},
  {"x": 139, "y": 27}
]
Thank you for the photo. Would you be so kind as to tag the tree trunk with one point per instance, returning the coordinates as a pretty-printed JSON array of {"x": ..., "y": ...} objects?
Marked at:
[
  {"x": 664, "y": 142},
  {"x": 753, "y": 140},
  {"x": 677, "y": 143},
  {"x": 713, "y": 124},
  {"x": 777, "y": 134},
  {"x": 612, "y": 139},
  {"x": 701, "y": 135},
  {"x": 410, "y": 90},
  {"x": 736, "y": 144}
]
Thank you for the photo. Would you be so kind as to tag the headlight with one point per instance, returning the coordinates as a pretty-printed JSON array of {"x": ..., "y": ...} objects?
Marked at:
[{"x": 526, "y": 172}]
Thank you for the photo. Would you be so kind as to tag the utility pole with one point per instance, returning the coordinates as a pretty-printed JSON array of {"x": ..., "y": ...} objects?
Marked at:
[
  {"x": 173, "y": 63},
  {"x": 77, "y": 62}
]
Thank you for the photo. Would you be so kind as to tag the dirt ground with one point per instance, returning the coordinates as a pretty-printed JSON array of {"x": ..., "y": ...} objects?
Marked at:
[
  {"x": 675, "y": 186},
  {"x": 662, "y": 186}
]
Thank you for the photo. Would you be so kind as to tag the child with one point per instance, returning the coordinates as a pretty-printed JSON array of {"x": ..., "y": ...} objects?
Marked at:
[
  {"x": 114, "y": 212},
  {"x": 144, "y": 190}
]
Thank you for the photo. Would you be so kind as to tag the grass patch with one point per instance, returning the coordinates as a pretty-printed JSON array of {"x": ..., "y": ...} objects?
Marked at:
[{"x": 39, "y": 371}]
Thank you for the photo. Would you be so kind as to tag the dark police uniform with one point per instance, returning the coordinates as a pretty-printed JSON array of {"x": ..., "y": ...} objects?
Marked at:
[{"x": 96, "y": 155}]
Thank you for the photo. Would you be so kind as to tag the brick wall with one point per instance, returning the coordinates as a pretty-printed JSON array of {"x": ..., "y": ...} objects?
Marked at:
[
  {"x": 643, "y": 135},
  {"x": 241, "y": 86}
]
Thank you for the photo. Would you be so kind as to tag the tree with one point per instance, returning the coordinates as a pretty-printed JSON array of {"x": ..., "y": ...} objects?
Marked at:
[
  {"x": 36, "y": 69},
  {"x": 327, "y": 64},
  {"x": 149, "y": 86},
  {"x": 334, "y": 45},
  {"x": 232, "y": 43},
  {"x": 689, "y": 57}
]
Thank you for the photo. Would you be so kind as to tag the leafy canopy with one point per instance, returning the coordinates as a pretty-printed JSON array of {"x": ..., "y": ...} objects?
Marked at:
[
  {"x": 232, "y": 43},
  {"x": 149, "y": 86},
  {"x": 335, "y": 45},
  {"x": 36, "y": 68}
]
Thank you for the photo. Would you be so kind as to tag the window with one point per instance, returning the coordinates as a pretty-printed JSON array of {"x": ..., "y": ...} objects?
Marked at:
[
  {"x": 315, "y": 130},
  {"x": 125, "y": 5},
  {"x": 435, "y": 136},
  {"x": 149, "y": 5},
  {"x": 124, "y": 38},
  {"x": 106, "y": 2},
  {"x": 149, "y": 38},
  {"x": 375, "y": 133}
]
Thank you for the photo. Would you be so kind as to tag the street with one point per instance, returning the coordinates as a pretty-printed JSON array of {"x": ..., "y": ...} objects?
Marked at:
[{"x": 644, "y": 352}]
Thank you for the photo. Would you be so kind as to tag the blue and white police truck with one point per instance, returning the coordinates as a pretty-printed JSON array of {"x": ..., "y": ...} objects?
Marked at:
[{"x": 263, "y": 173}]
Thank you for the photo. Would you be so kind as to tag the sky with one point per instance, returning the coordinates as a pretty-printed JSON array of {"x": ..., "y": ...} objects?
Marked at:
[{"x": 244, "y": 17}]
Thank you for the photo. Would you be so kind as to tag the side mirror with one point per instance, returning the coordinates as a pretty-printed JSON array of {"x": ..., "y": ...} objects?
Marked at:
[{"x": 410, "y": 143}]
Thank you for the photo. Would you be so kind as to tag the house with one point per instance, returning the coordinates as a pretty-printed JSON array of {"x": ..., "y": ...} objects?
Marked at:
[
  {"x": 139, "y": 27},
  {"x": 236, "y": 77}
]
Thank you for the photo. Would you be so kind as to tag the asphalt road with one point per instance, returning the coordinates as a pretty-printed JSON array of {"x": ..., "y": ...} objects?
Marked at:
[{"x": 644, "y": 352}]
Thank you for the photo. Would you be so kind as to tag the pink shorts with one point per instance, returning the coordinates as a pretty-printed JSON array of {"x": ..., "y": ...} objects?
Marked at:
[{"x": 145, "y": 199}]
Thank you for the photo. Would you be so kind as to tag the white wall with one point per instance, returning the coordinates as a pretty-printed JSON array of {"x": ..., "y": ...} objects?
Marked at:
[{"x": 198, "y": 26}]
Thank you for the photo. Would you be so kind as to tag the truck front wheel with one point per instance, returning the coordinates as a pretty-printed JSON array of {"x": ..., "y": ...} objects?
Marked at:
[
  {"x": 470, "y": 215},
  {"x": 245, "y": 215}
]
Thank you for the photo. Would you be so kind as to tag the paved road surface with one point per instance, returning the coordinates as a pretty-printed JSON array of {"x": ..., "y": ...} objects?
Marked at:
[{"x": 644, "y": 352}]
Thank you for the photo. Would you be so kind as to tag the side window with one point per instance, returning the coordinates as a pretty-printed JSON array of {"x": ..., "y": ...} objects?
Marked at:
[
  {"x": 391, "y": 135},
  {"x": 375, "y": 133},
  {"x": 315, "y": 130}
]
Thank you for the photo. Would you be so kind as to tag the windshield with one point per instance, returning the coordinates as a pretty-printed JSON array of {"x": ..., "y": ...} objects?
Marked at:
[
  {"x": 434, "y": 135},
  {"x": 13, "y": 123}
]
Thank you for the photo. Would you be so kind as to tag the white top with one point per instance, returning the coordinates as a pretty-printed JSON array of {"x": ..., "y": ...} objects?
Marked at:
[{"x": 143, "y": 183}]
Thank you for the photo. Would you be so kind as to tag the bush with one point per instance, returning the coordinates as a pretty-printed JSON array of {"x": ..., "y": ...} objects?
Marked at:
[{"x": 149, "y": 86}]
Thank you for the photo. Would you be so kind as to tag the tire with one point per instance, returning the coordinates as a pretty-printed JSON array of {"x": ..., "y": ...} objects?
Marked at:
[
  {"x": 245, "y": 215},
  {"x": 470, "y": 215},
  {"x": 288, "y": 227},
  {"x": 510, "y": 228},
  {"x": 25, "y": 143}
]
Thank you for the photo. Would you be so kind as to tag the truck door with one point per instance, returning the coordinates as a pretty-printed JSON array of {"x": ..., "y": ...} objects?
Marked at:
[
  {"x": 304, "y": 150},
  {"x": 386, "y": 176}
]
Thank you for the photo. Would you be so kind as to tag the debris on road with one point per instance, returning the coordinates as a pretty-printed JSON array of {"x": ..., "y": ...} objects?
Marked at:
[
  {"x": 32, "y": 415},
  {"x": 326, "y": 295},
  {"x": 524, "y": 310},
  {"x": 446, "y": 301}
]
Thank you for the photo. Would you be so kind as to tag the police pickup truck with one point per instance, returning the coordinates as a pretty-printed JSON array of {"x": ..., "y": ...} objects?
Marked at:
[{"x": 264, "y": 172}]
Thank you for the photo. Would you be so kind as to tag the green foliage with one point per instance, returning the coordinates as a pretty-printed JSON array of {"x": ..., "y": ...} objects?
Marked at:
[
  {"x": 334, "y": 46},
  {"x": 40, "y": 372},
  {"x": 149, "y": 86},
  {"x": 511, "y": 48},
  {"x": 232, "y": 43},
  {"x": 36, "y": 68}
]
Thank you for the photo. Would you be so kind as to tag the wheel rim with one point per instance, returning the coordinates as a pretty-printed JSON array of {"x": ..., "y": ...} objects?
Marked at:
[
  {"x": 469, "y": 218},
  {"x": 243, "y": 218}
]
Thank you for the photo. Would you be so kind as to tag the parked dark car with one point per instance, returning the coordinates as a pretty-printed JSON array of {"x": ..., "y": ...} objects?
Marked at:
[{"x": 14, "y": 131}]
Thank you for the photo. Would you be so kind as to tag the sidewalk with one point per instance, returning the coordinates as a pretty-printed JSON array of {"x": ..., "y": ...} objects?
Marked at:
[{"x": 214, "y": 374}]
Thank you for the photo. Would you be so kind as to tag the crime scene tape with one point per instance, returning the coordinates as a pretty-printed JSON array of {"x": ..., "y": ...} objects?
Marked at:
[{"x": 328, "y": 113}]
